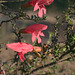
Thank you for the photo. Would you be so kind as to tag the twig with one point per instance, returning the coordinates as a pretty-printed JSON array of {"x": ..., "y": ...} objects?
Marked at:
[
  {"x": 12, "y": 66},
  {"x": 55, "y": 62},
  {"x": 71, "y": 49},
  {"x": 16, "y": 17}
]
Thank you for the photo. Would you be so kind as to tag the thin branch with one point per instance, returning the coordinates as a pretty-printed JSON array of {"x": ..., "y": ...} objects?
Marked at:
[
  {"x": 55, "y": 62},
  {"x": 50, "y": 64},
  {"x": 71, "y": 49},
  {"x": 16, "y": 17}
]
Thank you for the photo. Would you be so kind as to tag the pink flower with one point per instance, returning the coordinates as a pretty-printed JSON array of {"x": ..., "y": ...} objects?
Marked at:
[
  {"x": 39, "y": 4},
  {"x": 21, "y": 48},
  {"x": 35, "y": 31}
]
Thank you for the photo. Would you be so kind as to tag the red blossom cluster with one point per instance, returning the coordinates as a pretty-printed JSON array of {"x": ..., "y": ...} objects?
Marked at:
[{"x": 34, "y": 30}]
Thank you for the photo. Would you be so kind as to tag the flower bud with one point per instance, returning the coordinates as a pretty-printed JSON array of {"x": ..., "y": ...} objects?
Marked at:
[{"x": 37, "y": 49}]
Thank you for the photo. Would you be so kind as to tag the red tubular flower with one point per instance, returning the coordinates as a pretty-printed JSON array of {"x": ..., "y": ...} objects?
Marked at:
[
  {"x": 21, "y": 48},
  {"x": 39, "y": 4},
  {"x": 35, "y": 31}
]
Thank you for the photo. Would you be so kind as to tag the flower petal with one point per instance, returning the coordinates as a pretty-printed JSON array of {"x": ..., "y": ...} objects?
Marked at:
[
  {"x": 44, "y": 9},
  {"x": 20, "y": 47},
  {"x": 21, "y": 56},
  {"x": 36, "y": 7},
  {"x": 40, "y": 13},
  {"x": 35, "y": 28},
  {"x": 41, "y": 34},
  {"x": 33, "y": 37},
  {"x": 39, "y": 39},
  {"x": 41, "y": 10},
  {"x": 14, "y": 46}
]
